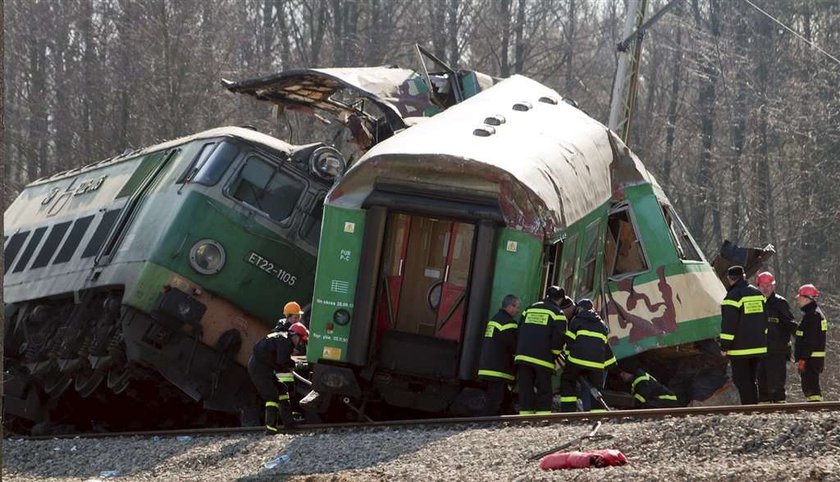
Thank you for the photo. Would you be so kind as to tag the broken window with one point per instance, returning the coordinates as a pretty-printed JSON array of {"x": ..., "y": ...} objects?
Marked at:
[
  {"x": 685, "y": 246},
  {"x": 567, "y": 268},
  {"x": 551, "y": 265},
  {"x": 265, "y": 187},
  {"x": 587, "y": 268},
  {"x": 623, "y": 253}
]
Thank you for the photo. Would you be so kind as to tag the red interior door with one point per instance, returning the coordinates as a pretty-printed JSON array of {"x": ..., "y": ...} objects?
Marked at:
[{"x": 450, "y": 311}]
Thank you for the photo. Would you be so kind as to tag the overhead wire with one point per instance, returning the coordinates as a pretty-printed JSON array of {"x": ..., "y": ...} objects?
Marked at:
[{"x": 797, "y": 34}]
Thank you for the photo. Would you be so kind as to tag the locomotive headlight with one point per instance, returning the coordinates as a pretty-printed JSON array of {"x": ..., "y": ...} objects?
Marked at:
[
  {"x": 207, "y": 256},
  {"x": 327, "y": 163}
]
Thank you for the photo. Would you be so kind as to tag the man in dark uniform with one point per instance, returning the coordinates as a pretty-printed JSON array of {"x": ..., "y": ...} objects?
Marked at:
[
  {"x": 274, "y": 354},
  {"x": 809, "y": 349},
  {"x": 497, "y": 352},
  {"x": 772, "y": 373},
  {"x": 647, "y": 390},
  {"x": 743, "y": 335},
  {"x": 540, "y": 341},
  {"x": 588, "y": 354}
]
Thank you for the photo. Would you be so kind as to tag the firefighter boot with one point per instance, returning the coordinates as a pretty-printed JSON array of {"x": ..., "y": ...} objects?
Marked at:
[
  {"x": 286, "y": 415},
  {"x": 272, "y": 413}
]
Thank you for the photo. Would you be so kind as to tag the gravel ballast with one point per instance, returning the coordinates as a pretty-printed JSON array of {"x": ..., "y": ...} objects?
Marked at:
[{"x": 798, "y": 446}]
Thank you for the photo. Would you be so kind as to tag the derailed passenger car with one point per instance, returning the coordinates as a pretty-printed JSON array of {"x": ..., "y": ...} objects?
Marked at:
[{"x": 508, "y": 192}]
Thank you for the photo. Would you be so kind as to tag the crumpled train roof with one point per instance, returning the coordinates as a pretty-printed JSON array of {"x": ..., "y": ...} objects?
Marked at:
[{"x": 549, "y": 165}]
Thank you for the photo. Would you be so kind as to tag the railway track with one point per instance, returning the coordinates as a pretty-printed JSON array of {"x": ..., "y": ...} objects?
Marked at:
[{"x": 506, "y": 419}]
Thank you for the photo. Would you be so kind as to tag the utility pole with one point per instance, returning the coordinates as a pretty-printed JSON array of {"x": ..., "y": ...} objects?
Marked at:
[{"x": 626, "y": 83}]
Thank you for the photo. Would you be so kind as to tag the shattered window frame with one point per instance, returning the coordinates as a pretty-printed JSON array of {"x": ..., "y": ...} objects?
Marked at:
[
  {"x": 233, "y": 185},
  {"x": 682, "y": 238},
  {"x": 612, "y": 264},
  {"x": 589, "y": 261}
]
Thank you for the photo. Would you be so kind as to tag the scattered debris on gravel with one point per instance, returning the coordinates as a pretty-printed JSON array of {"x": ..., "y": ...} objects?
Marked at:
[{"x": 767, "y": 447}]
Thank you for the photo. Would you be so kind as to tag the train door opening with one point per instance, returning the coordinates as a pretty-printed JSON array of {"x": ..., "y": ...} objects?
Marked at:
[{"x": 425, "y": 273}]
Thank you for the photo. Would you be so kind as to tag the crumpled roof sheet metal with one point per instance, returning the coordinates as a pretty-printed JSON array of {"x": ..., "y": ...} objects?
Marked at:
[
  {"x": 392, "y": 87},
  {"x": 549, "y": 165}
]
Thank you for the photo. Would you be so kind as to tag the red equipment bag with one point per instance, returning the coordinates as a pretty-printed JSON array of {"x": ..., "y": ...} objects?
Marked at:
[{"x": 582, "y": 460}]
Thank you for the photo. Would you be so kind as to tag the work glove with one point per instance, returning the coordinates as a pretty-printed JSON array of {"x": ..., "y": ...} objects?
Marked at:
[{"x": 800, "y": 365}]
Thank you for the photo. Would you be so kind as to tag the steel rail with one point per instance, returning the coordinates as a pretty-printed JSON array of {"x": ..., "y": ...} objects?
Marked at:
[{"x": 503, "y": 419}]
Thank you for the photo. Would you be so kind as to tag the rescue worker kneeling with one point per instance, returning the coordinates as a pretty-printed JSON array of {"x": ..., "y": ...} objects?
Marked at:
[
  {"x": 497, "y": 352},
  {"x": 540, "y": 340},
  {"x": 648, "y": 392},
  {"x": 274, "y": 354},
  {"x": 588, "y": 354}
]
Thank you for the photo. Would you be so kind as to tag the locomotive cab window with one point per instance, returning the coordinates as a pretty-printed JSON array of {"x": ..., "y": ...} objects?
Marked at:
[
  {"x": 686, "y": 249},
  {"x": 623, "y": 249},
  {"x": 210, "y": 163},
  {"x": 264, "y": 186}
]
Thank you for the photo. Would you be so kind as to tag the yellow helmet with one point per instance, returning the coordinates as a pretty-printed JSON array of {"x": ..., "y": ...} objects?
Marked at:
[{"x": 292, "y": 308}]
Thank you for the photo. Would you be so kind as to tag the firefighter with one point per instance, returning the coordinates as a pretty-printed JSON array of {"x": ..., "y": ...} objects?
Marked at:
[
  {"x": 539, "y": 342},
  {"x": 497, "y": 352},
  {"x": 588, "y": 354},
  {"x": 292, "y": 314},
  {"x": 772, "y": 372},
  {"x": 743, "y": 337},
  {"x": 809, "y": 349},
  {"x": 271, "y": 362},
  {"x": 648, "y": 391}
]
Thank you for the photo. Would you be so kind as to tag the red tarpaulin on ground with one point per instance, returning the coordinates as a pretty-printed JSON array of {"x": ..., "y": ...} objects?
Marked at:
[{"x": 582, "y": 460}]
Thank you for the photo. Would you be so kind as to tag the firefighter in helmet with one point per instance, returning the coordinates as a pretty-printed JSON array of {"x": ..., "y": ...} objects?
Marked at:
[
  {"x": 497, "y": 352},
  {"x": 291, "y": 315},
  {"x": 773, "y": 369},
  {"x": 270, "y": 368},
  {"x": 809, "y": 349},
  {"x": 743, "y": 337}
]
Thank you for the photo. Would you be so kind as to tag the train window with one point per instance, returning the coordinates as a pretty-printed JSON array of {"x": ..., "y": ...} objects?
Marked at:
[
  {"x": 623, "y": 249},
  {"x": 210, "y": 170},
  {"x": 587, "y": 268},
  {"x": 686, "y": 249},
  {"x": 198, "y": 161},
  {"x": 567, "y": 271},
  {"x": 265, "y": 187}
]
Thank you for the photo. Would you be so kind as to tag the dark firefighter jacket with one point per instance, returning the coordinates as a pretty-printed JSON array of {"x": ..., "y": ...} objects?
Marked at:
[
  {"x": 810, "y": 336},
  {"x": 540, "y": 335},
  {"x": 498, "y": 348},
  {"x": 586, "y": 341},
  {"x": 743, "y": 330},
  {"x": 780, "y": 324},
  {"x": 650, "y": 393},
  {"x": 275, "y": 351}
]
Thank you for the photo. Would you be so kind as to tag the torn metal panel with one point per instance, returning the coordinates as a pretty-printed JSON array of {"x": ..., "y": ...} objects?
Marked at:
[{"x": 478, "y": 146}]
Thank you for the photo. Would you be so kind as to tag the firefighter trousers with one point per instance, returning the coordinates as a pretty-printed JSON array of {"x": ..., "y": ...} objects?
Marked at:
[
  {"x": 534, "y": 389},
  {"x": 569, "y": 390},
  {"x": 810, "y": 379},
  {"x": 495, "y": 396},
  {"x": 745, "y": 377},
  {"x": 772, "y": 375}
]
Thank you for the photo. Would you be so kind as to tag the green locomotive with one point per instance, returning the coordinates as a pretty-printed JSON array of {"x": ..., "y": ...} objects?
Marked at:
[{"x": 170, "y": 261}]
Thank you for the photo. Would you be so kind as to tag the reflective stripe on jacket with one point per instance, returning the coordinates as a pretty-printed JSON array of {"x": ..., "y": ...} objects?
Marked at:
[
  {"x": 586, "y": 342},
  {"x": 781, "y": 324},
  {"x": 498, "y": 347},
  {"x": 743, "y": 330},
  {"x": 811, "y": 334},
  {"x": 540, "y": 334}
]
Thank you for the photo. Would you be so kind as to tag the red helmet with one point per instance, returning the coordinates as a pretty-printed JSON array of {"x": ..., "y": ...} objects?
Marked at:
[
  {"x": 808, "y": 290},
  {"x": 300, "y": 330},
  {"x": 765, "y": 277}
]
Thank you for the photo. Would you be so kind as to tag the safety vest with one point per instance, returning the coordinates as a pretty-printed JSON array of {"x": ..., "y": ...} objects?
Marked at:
[
  {"x": 586, "y": 342},
  {"x": 498, "y": 347},
  {"x": 540, "y": 335},
  {"x": 743, "y": 329}
]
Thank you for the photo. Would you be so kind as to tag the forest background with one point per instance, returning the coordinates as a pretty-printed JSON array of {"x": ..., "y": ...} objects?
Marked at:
[{"x": 736, "y": 116}]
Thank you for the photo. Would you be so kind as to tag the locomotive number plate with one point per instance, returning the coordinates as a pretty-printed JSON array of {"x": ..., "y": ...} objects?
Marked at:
[{"x": 271, "y": 268}]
